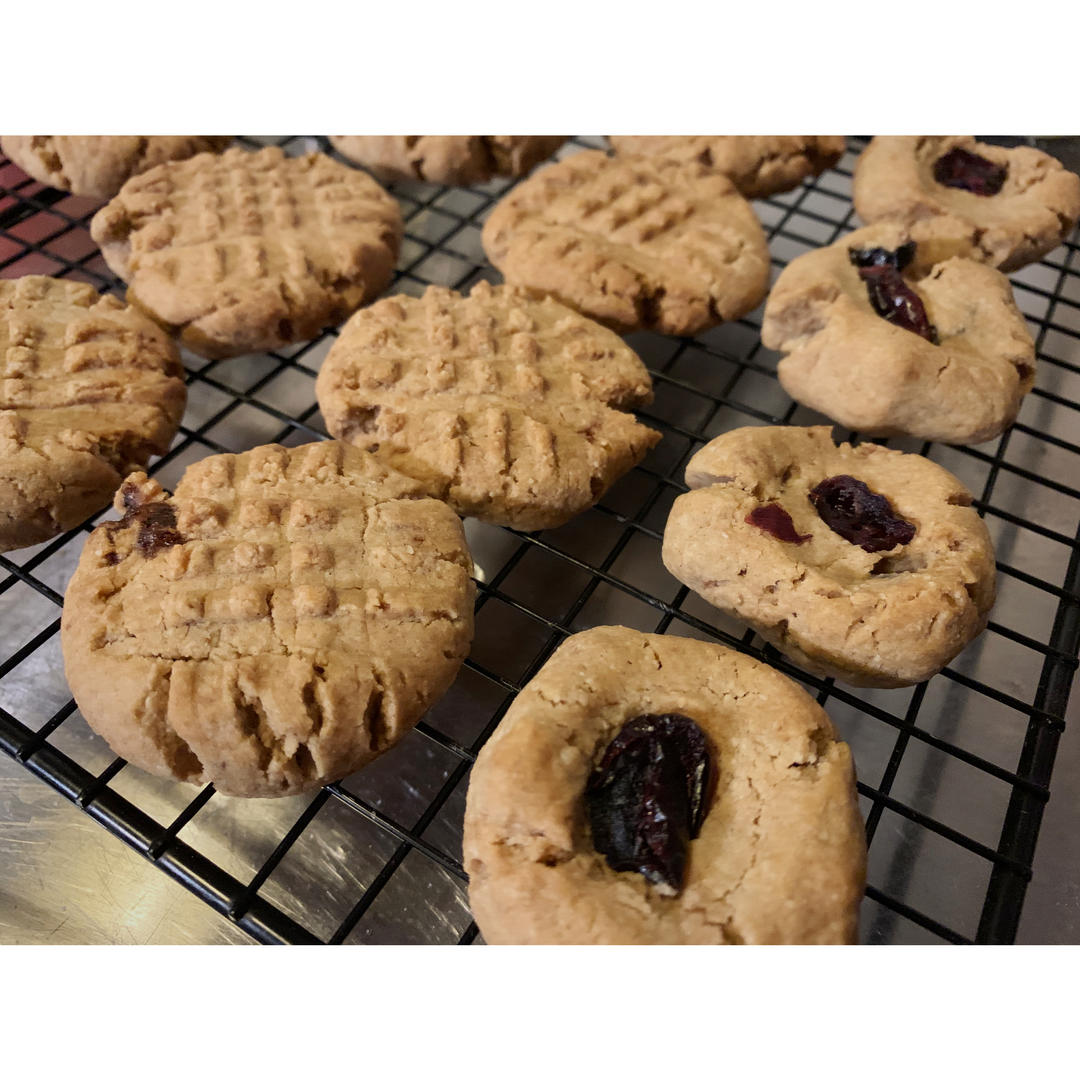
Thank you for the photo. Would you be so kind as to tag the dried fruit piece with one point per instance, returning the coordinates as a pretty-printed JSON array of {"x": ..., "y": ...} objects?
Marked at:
[
  {"x": 156, "y": 522},
  {"x": 897, "y": 303},
  {"x": 960, "y": 168},
  {"x": 646, "y": 798},
  {"x": 879, "y": 256},
  {"x": 776, "y": 521},
  {"x": 860, "y": 515}
]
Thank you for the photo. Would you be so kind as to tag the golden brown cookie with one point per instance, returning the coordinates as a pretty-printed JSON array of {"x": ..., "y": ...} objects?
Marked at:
[
  {"x": 758, "y": 165},
  {"x": 961, "y": 379},
  {"x": 98, "y": 165},
  {"x": 90, "y": 390},
  {"x": 635, "y": 243},
  {"x": 447, "y": 159},
  {"x": 279, "y": 622},
  {"x": 858, "y": 562},
  {"x": 1021, "y": 202},
  {"x": 241, "y": 252},
  {"x": 508, "y": 408},
  {"x": 780, "y": 855}
]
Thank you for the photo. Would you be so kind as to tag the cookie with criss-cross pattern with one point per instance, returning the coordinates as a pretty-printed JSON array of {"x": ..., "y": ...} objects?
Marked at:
[
  {"x": 897, "y": 330},
  {"x": 241, "y": 252},
  {"x": 447, "y": 159},
  {"x": 98, "y": 165},
  {"x": 634, "y": 242},
  {"x": 758, "y": 165},
  {"x": 655, "y": 790},
  {"x": 279, "y": 622},
  {"x": 90, "y": 390},
  {"x": 511, "y": 409},
  {"x": 858, "y": 562},
  {"x": 1020, "y": 202}
]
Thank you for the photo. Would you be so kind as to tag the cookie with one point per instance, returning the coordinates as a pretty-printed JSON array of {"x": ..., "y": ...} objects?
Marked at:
[
  {"x": 928, "y": 342},
  {"x": 279, "y": 622},
  {"x": 98, "y": 165},
  {"x": 758, "y": 165},
  {"x": 636, "y": 243},
  {"x": 506, "y": 407},
  {"x": 1021, "y": 202},
  {"x": 242, "y": 252},
  {"x": 90, "y": 390},
  {"x": 447, "y": 159},
  {"x": 857, "y": 562},
  {"x": 778, "y": 854}
]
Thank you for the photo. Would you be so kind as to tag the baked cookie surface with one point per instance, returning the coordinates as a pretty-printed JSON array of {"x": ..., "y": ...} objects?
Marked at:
[
  {"x": 1021, "y": 202},
  {"x": 961, "y": 379},
  {"x": 242, "y": 252},
  {"x": 98, "y": 165},
  {"x": 636, "y": 243},
  {"x": 279, "y": 622},
  {"x": 758, "y": 165},
  {"x": 888, "y": 605},
  {"x": 90, "y": 390},
  {"x": 780, "y": 855},
  {"x": 506, "y": 407},
  {"x": 447, "y": 159}
]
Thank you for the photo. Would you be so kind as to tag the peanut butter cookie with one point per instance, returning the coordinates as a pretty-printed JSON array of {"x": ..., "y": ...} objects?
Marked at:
[
  {"x": 509, "y": 408},
  {"x": 646, "y": 789},
  {"x": 1021, "y": 203},
  {"x": 858, "y": 562},
  {"x": 90, "y": 390},
  {"x": 241, "y": 252},
  {"x": 634, "y": 242},
  {"x": 279, "y": 622}
]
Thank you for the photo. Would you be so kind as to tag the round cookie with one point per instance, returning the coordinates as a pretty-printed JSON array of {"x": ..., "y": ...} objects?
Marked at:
[
  {"x": 90, "y": 390},
  {"x": 780, "y": 857},
  {"x": 279, "y": 622},
  {"x": 758, "y": 165},
  {"x": 1023, "y": 214},
  {"x": 447, "y": 159},
  {"x": 506, "y": 407},
  {"x": 962, "y": 384},
  {"x": 889, "y": 606},
  {"x": 242, "y": 252},
  {"x": 98, "y": 165},
  {"x": 636, "y": 243}
]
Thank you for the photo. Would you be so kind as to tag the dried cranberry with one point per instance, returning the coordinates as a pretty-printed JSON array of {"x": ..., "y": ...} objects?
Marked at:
[
  {"x": 860, "y": 515},
  {"x": 776, "y": 521},
  {"x": 879, "y": 256},
  {"x": 897, "y": 303},
  {"x": 156, "y": 522},
  {"x": 646, "y": 798},
  {"x": 157, "y": 529},
  {"x": 960, "y": 168}
]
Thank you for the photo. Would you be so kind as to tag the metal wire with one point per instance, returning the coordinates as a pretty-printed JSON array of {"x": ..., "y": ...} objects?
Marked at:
[{"x": 715, "y": 382}]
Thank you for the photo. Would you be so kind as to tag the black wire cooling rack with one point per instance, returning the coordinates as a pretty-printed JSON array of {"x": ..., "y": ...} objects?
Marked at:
[{"x": 954, "y": 773}]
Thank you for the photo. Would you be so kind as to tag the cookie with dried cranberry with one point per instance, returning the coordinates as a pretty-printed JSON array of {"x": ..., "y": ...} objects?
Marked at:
[
  {"x": 857, "y": 562},
  {"x": 897, "y": 330},
  {"x": 649, "y": 789},
  {"x": 1021, "y": 202}
]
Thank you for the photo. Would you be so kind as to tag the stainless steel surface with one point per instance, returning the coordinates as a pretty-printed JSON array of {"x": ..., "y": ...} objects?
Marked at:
[{"x": 63, "y": 878}]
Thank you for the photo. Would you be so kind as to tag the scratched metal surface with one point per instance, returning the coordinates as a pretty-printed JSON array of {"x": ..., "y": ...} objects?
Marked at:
[{"x": 64, "y": 879}]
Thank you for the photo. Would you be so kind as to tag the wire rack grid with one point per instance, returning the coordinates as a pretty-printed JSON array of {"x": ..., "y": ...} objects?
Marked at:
[{"x": 954, "y": 773}]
